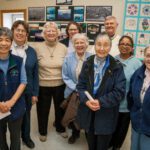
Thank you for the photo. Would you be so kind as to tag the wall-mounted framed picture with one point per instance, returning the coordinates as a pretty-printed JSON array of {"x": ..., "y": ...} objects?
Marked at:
[
  {"x": 93, "y": 29},
  {"x": 98, "y": 13},
  {"x": 65, "y": 13},
  {"x": 35, "y": 32},
  {"x": 63, "y": 2},
  {"x": 36, "y": 14}
]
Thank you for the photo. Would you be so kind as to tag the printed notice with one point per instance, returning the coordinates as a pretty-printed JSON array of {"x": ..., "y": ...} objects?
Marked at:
[{"x": 3, "y": 115}]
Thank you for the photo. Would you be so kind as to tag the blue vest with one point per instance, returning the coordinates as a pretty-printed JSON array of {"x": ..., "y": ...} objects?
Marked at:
[{"x": 9, "y": 85}]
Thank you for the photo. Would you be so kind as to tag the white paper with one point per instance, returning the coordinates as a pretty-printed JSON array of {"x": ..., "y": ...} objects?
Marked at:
[
  {"x": 3, "y": 115},
  {"x": 88, "y": 95}
]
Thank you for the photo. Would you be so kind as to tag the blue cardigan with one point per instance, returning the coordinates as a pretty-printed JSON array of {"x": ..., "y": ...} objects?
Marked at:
[
  {"x": 140, "y": 113},
  {"x": 31, "y": 67},
  {"x": 69, "y": 72}
]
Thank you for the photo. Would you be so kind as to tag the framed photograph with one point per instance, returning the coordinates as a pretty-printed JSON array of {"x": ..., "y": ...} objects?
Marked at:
[
  {"x": 36, "y": 14},
  {"x": 98, "y": 13},
  {"x": 64, "y": 14},
  {"x": 78, "y": 14},
  {"x": 35, "y": 30},
  {"x": 92, "y": 31},
  {"x": 50, "y": 13},
  {"x": 63, "y": 2}
]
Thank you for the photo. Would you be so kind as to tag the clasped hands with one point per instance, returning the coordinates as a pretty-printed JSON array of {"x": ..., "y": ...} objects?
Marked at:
[
  {"x": 93, "y": 104},
  {"x": 6, "y": 106}
]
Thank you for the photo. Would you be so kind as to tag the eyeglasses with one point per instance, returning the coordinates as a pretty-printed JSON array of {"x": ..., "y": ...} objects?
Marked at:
[
  {"x": 126, "y": 45},
  {"x": 19, "y": 30},
  {"x": 73, "y": 29}
]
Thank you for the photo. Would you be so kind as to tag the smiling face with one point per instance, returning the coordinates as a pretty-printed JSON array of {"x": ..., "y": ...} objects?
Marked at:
[
  {"x": 5, "y": 44},
  {"x": 147, "y": 58},
  {"x": 51, "y": 34},
  {"x": 125, "y": 47},
  {"x": 80, "y": 46},
  {"x": 102, "y": 46},
  {"x": 111, "y": 27},
  {"x": 73, "y": 29},
  {"x": 20, "y": 35}
]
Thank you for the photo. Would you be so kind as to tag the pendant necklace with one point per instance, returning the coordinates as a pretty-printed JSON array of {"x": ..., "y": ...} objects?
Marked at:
[{"x": 51, "y": 52}]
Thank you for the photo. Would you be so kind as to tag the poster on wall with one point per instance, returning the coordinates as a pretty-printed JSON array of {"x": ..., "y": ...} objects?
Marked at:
[
  {"x": 65, "y": 13},
  {"x": 35, "y": 32},
  {"x": 98, "y": 13},
  {"x": 92, "y": 31},
  {"x": 63, "y": 2},
  {"x": 137, "y": 24},
  {"x": 36, "y": 14}
]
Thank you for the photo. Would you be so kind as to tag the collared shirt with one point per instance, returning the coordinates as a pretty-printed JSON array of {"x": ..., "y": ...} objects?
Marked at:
[
  {"x": 70, "y": 46},
  {"x": 79, "y": 64},
  {"x": 19, "y": 50},
  {"x": 146, "y": 84}
]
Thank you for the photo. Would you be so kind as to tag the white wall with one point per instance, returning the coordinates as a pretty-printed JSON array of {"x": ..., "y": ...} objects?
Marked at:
[{"x": 117, "y": 6}]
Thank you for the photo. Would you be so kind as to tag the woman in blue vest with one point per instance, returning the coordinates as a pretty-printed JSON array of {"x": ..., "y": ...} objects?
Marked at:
[
  {"x": 12, "y": 84},
  {"x": 139, "y": 105}
]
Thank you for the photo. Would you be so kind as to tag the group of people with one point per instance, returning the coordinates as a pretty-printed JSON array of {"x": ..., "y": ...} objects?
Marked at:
[{"x": 117, "y": 82}]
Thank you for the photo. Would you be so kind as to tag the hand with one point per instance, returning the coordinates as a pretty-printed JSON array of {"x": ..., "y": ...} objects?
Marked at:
[
  {"x": 94, "y": 105},
  {"x": 10, "y": 103},
  {"x": 3, "y": 107},
  {"x": 34, "y": 99}
]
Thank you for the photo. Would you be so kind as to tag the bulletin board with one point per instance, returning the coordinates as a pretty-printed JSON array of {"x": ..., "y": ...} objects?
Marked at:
[{"x": 137, "y": 24}]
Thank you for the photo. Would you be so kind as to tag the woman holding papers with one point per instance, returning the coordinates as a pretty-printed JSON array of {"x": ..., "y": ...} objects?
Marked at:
[
  {"x": 71, "y": 69},
  {"x": 103, "y": 77},
  {"x": 12, "y": 84}
]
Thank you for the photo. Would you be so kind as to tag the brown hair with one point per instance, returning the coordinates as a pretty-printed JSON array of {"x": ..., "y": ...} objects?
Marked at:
[
  {"x": 20, "y": 22},
  {"x": 74, "y": 23}
]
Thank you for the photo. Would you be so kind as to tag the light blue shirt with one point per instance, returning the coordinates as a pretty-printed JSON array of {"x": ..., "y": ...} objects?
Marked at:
[
  {"x": 4, "y": 66},
  {"x": 130, "y": 65},
  {"x": 69, "y": 72}
]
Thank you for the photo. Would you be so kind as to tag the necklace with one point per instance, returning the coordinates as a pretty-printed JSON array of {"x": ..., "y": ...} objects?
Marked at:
[{"x": 51, "y": 51}]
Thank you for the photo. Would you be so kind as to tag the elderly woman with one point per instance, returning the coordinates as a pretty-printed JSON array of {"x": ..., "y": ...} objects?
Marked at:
[
  {"x": 51, "y": 54},
  {"x": 103, "y": 78},
  {"x": 71, "y": 70},
  {"x": 20, "y": 48},
  {"x": 130, "y": 65},
  {"x": 12, "y": 84},
  {"x": 139, "y": 105},
  {"x": 71, "y": 29}
]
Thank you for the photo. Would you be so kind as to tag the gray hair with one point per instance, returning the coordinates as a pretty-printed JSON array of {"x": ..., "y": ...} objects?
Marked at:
[
  {"x": 145, "y": 49},
  {"x": 103, "y": 35},
  {"x": 80, "y": 36},
  {"x": 111, "y": 18},
  {"x": 49, "y": 25},
  {"x": 4, "y": 31}
]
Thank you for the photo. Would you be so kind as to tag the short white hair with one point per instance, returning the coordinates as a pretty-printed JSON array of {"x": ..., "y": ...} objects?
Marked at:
[
  {"x": 49, "y": 25},
  {"x": 80, "y": 36},
  {"x": 111, "y": 18},
  {"x": 101, "y": 36}
]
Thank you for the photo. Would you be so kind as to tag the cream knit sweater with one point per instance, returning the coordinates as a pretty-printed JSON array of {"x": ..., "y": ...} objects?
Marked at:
[{"x": 50, "y": 60}]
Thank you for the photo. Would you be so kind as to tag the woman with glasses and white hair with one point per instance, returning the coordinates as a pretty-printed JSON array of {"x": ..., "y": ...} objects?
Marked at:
[
  {"x": 103, "y": 78},
  {"x": 71, "y": 69},
  {"x": 51, "y": 54}
]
